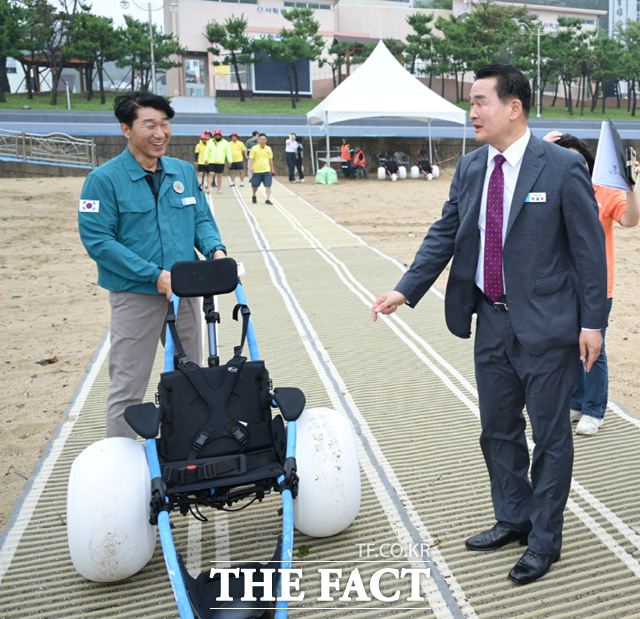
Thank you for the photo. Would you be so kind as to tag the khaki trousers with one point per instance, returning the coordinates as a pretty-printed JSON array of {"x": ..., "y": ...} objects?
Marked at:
[{"x": 137, "y": 324}]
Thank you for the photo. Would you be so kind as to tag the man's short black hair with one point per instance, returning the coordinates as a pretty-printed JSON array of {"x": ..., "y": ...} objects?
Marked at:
[
  {"x": 570, "y": 141},
  {"x": 511, "y": 83},
  {"x": 255, "y": 133},
  {"x": 265, "y": 135},
  {"x": 126, "y": 106}
]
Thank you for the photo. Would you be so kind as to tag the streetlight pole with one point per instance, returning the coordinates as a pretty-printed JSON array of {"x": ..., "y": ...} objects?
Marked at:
[
  {"x": 554, "y": 33},
  {"x": 539, "y": 98},
  {"x": 153, "y": 59}
]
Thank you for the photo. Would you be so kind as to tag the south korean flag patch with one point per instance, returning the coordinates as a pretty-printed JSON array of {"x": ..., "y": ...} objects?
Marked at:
[{"x": 89, "y": 206}]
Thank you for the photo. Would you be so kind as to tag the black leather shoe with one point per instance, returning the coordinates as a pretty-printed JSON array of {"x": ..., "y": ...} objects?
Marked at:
[
  {"x": 532, "y": 565},
  {"x": 497, "y": 537}
]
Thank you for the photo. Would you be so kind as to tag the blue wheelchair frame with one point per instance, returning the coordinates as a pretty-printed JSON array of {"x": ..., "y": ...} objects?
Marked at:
[{"x": 164, "y": 525}]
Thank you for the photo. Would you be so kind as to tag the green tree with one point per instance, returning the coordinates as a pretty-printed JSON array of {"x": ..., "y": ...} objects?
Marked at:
[
  {"x": 231, "y": 41},
  {"x": 95, "y": 39},
  {"x": 30, "y": 44},
  {"x": 608, "y": 57},
  {"x": 461, "y": 56},
  {"x": 50, "y": 34},
  {"x": 630, "y": 36},
  {"x": 420, "y": 43},
  {"x": 279, "y": 51},
  {"x": 136, "y": 50},
  {"x": 302, "y": 39},
  {"x": 12, "y": 30},
  {"x": 336, "y": 58},
  {"x": 345, "y": 54},
  {"x": 444, "y": 5}
]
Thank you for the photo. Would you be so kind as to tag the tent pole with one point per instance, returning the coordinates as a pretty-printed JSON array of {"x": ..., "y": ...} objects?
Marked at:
[
  {"x": 464, "y": 135},
  {"x": 326, "y": 124},
  {"x": 430, "y": 154},
  {"x": 313, "y": 163}
]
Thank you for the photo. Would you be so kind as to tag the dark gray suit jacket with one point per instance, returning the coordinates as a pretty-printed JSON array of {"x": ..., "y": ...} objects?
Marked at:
[{"x": 554, "y": 252}]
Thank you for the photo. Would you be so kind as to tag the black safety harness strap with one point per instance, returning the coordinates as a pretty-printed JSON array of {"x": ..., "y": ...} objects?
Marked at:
[
  {"x": 216, "y": 399},
  {"x": 236, "y": 465}
]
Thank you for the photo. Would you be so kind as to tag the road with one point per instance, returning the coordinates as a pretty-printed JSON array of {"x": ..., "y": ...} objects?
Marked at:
[{"x": 103, "y": 123}]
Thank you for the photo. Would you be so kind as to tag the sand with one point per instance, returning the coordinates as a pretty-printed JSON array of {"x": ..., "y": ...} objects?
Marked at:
[{"x": 52, "y": 308}]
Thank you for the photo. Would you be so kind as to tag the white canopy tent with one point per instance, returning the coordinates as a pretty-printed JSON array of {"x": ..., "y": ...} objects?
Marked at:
[{"x": 383, "y": 87}]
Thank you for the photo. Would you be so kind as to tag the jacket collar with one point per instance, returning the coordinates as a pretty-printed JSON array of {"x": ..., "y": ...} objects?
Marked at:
[
  {"x": 135, "y": 170},
  {"x": 532, "y": 163}
]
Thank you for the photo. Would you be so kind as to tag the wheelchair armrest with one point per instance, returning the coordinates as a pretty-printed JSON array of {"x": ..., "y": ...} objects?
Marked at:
[
  {"x": 144, "y": 419},
  {"x": 290, "y": 401}
]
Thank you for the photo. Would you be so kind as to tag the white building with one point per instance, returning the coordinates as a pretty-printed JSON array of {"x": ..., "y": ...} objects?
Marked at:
[
  {"x": 356, "y": 19},
  {"x": 621, "y": 12}
]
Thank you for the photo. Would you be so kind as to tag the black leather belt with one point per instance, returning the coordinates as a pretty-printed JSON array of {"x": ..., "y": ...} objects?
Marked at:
[{"x": 500, "y": 305}]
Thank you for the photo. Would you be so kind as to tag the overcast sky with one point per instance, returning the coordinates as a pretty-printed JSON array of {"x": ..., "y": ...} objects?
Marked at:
[{"x": 111, "y": 8}]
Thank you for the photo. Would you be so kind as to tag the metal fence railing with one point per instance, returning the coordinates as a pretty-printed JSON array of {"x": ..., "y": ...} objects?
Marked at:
[{"x": 56, "y": 148}]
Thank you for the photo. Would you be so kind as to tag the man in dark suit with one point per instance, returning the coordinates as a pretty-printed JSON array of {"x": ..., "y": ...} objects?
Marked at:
[{"x": 521, "y": 225}]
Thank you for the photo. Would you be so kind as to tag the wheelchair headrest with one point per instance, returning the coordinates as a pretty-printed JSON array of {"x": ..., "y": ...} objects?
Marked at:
[{"x": 204, "y": 278}]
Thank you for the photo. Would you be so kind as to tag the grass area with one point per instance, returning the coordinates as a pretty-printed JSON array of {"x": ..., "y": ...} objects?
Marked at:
[
  {"x": 265, "y": 105},
  {"x": 561, "y": 112},
  {"x": 43, "y": 102},
  {"x": 262, "y": 105},
  {"x": 279, "y": 105}
]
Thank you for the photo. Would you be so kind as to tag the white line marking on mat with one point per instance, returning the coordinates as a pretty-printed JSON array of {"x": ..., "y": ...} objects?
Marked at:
[
  {"x": 14, "y": 535},
  {"x": 367, "y": 298},
  {"x": 341, "y": 400}
]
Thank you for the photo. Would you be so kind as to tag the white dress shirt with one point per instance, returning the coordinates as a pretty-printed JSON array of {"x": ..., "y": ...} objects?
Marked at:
[{"x": 511, "y": 170}]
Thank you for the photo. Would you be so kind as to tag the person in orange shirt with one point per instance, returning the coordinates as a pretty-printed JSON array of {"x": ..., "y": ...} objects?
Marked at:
[
  {"x": 346, "y": 154},
  {"x": 359, "y": 163},
  {"x": 591, "y": 392}
]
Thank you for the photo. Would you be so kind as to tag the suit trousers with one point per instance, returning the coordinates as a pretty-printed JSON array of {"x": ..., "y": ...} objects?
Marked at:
[
  {"x": 293, "y": 162},
  {"x": 137, "y": 325},
  {"x": 509, "y": 378}
]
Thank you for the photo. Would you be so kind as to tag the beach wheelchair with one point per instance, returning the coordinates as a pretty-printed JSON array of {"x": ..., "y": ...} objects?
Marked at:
[
  {"x": 403, "y": 160},
  {"x": 425, "y": 167},
  {"x": 387, "y": 165},
  {"x": 211, "y": 440}
]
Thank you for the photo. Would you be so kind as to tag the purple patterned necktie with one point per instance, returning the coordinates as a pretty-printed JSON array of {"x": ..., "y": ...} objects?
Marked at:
[{"x": 493, "y": 286}]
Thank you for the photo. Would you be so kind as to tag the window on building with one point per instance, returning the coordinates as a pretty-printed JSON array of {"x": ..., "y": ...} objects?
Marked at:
[
  {"x": 312, "y": 5},
  {"x": 12, "y": 65}
]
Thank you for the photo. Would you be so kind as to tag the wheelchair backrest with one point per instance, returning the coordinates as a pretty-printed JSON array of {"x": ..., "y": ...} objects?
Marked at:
[{"x": 204, "y": 278}]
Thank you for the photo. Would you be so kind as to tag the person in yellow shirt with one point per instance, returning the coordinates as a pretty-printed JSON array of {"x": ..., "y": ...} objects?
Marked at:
[
  {"x": 203, "y": 169},
  {"x": 217, "y": 153},
  {"x": 237, "y": 159},
  {"x": 261, "y": 167}
]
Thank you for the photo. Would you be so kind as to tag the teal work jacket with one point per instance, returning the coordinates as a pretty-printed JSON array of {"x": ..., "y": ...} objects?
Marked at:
[{"x": 129, "y": 236}]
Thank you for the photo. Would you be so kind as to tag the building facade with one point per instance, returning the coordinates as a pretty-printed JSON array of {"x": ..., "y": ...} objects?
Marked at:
[
  {"x": 359, "y": 19},
  {"x": 621, "y": 12}
]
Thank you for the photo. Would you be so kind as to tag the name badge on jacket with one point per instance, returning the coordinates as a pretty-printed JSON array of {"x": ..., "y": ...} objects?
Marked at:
[
  {"x": 187, "y": 201},
  {"x": 537, "y": 197}
]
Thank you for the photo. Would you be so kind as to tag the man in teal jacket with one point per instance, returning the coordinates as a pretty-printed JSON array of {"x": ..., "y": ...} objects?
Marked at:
[{"x": 139, "y": 214}]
